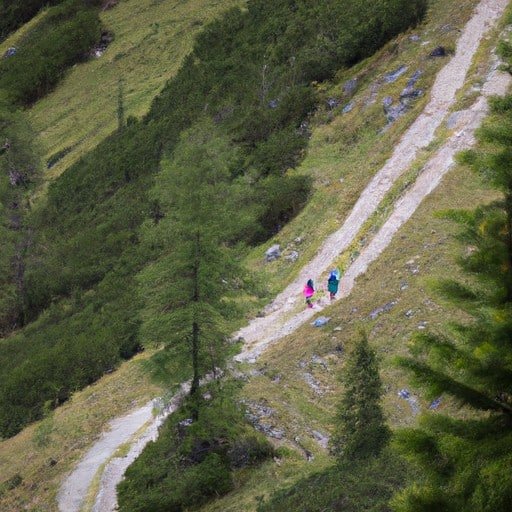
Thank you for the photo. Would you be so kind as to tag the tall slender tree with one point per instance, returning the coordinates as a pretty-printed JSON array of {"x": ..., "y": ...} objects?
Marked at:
[
  {"x": 184, "y": 289},
  {"x": 361, "y": 429},
  {"x": 467, "y": 462}
]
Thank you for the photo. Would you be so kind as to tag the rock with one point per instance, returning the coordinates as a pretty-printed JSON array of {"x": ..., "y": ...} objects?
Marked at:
[
  {"x": 435, "y": 404},
  {"x": 51, "y": 462},
  {"x": 273, "y": 103},
  {"x": 339, "y": 328},
  {"x": 321, "y": 439},
  {"x": 318, "y": 360},
  {"x": 339, "y": 349},
  {"x": 332, "y": 103},
  {"x": 422, "y": 325},
  {"x": 409, "y": 313},
  {"x": 382, "y": 309},
  {"x": 412, "y": 400},
  {"x": 321, "y": 321},
  {"x": 293, "y": 256},
  {"x": 313, "y": 383},
  {"x": 350, "y": 86},
  {"x": 298, "y": 240},
  {"x": 439, "y": 51},
  {"x": 394, "y": 75},
  {"x": 403, "y": 286},
  {"x": 387, "y": 102},
  {"x": 11, "y": 52},
  {"x": 348, "y": 107},
  {"x": 273, "y": 253},
  {"x": 414, "y": 38}
]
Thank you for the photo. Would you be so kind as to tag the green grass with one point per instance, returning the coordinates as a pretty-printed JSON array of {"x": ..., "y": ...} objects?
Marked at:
[
  {"x": 151, "y": 40},
  {"x": 15, "y": 38}
]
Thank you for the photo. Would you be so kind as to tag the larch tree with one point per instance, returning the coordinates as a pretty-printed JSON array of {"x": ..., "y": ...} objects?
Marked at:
[
  {"x": 184, "y": 290},
  {"x": 466, "y": 461},
  {"x": 361, "y": 431}
]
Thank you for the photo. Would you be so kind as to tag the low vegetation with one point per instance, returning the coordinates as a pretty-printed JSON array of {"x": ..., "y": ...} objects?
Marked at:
[{"x": 62, "y": 38}]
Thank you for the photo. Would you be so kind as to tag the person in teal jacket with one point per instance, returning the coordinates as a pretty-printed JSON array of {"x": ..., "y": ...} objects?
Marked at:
[{"x": 333, "y": 282}]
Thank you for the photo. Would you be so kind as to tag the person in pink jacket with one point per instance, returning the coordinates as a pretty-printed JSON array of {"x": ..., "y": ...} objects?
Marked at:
[{"x": 309, "y": 291}]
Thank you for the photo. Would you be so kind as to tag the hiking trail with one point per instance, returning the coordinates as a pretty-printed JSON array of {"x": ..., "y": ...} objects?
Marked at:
[{"x": 286, "y": 312}]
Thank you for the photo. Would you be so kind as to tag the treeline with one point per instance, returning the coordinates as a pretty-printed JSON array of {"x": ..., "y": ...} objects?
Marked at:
[
  {"x": 60, "y": 40},
  {"x": 250, "y": 73}
]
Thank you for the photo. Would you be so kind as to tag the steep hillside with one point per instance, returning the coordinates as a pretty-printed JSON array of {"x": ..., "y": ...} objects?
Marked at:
[
  {"x": 293, "y": 389},
  {"x": 149, "y": 41}
]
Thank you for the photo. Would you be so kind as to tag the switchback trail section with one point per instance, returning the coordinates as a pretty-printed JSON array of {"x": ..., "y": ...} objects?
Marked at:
[{"x": 283, "y": 316}]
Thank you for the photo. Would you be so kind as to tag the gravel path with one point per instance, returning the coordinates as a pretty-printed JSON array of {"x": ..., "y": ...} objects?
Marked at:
[
  {"x": 276, "y": 324},
  {"x": 281, "y": 319}
]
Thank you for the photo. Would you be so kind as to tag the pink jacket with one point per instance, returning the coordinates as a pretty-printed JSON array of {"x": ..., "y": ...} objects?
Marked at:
[{"x": 308, "y": 291}]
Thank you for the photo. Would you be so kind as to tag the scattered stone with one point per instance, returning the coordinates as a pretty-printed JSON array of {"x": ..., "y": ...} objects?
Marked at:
[
  {"x": 382, "y": 309},
  {"x": 321, "y": 321},
  {"x": 439, "y": 51},
  {"x": 414, "y": 38},
  {"x": 277, "y": 378},
  {"x": 302, "y": 364},
  {"x": 410, "y": 399},
  {"x": 292, "y": 257},
  {"x": 422, "y": 325},
  {"x": 409, "y": 313},
  {"x": 186, "y": 422},
  {"x": 350, "y": 86},
  {"x": 348, "y": 107},
  {"x": 403, "y": 286},
  {"x": 11, "y": 52},
  {"x": 435, "y": 404},
  {"x": 387, "y": 102},
  {"x": 105, "y": 40},
  {"x": 320, "y": 361},
  {"x": 321, "y": 439},
  {"x": 273, "y": 104},
  {"x": 354, "y": 310},
  {"x": 339, "y": 328},
  {"x": 51, "y": 462},
  {"x": 394, "y": 75},
  {"x": 313, "y": 383},
  {"x": 298, "y": 240},
  {"x": 332, "y": 103},
  {"x": 273, "y": 253}
]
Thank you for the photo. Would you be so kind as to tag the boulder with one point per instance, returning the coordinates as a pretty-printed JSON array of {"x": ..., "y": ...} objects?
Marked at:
[
  {"x": 439, "y": 51},
  {"x": 350, "y": 86},
  {"x": 273, "y": 253},
  {"x": 394, "y": 75}
]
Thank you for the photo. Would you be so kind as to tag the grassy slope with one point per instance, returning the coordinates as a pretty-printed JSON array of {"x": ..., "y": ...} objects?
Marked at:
[
  {"x": 345, "y": 147},
  {"x": 66, "y": 434},
  {"x": 82, "y": 110}
]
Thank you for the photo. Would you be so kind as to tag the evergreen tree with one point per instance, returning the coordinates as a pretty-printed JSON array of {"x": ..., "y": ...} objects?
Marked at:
[
  {"x": 361, "y": 429},
  {"x": 467, "y": 462},
  {"x": 184, "y": 290}
]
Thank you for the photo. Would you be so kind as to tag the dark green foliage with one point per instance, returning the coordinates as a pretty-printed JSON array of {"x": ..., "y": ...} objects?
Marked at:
[
  {"x": 364, "y": 485},
  {"x": 63, "y": 38},
  {"x": 361, "y": 431},
  {"x": 19, "y": 173},
  {"x": 193, "y": 462},
  {"x": 13, "y": 13},
  {"x": 466, "y": 463}
]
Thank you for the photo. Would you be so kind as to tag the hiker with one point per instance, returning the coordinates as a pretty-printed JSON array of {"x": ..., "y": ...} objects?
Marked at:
[
  {"x": 333, "y": 282},
  {"x": 309, "y": 291}
]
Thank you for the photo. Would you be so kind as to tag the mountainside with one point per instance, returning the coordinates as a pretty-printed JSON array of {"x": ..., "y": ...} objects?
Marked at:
[{"x": 299, "y": 141}]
